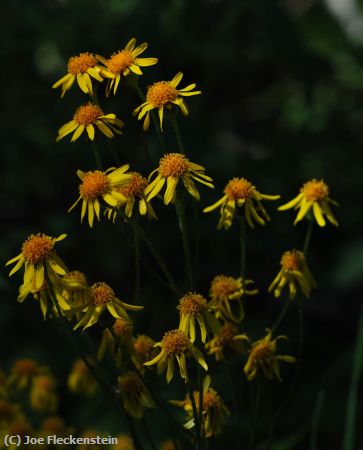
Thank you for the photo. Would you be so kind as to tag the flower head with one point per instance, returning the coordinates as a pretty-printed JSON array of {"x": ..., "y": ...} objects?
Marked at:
[
  {"x": 102, "y": 297},
  {"x": 176, "y": 345},
  {"x": 314, "y": 195},
  {"x": 23, "y": 372},
  {"x": 38, "y": 255},
  {"x": 123, "y": 63},
  {"x": 75, "y": 292},
  {"x": 214, "y": 411},
  {"x": 227, "y": 291},
  {"x": 98, "y": 185},
  {"x": 240, "y": 193},
  {"x": 117, "y": 341},
  {"x": 294, "y": 271},
  {"x": 43, "y": 397},
  {"x": 193, "y": 308},
  {"x": 174, "y": 167},
  {"x": 262, "y": 355},
  {"x": 134, "y": 394},
  {"x": 80, "y": 379},
  {"x": 85, "y": 69},
  {"x": 90, "y": 117},
  {"x": 226, "y": 339},
  {"x": 164, "y": 94}
]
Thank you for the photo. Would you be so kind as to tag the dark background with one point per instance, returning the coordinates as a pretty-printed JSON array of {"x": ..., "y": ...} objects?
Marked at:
[{"x": 282, "y": 87}]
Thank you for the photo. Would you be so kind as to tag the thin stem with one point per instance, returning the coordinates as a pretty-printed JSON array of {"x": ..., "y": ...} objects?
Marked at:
[
  {"x": 309, "y": 233},
  {"x": 198, "y": 445},
  {"x": 148, "y": 433},
  {"x": 96, "y": 155},
  {"x": 175, "y": 126},
  {"x": 180, "y": 211},
  {"x": 196, "y": 242},
  {"x": 200, "y": 406},
  {"x": 137, "y": 263},
  {"x": 235, "y": 406},
  {"x": 315, "y": 420},
  {"x": 281, "y": 316},
  {"x": 256, "y": 408}
]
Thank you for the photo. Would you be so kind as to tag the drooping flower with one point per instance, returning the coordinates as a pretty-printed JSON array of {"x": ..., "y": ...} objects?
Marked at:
[
  {"x": 124, "y": 62},
  {"x": 241, "y": 193},
  {"x": 193, "y": 309},
  {"x": 85, "y": 69},
  {"x": 133, "y": 193},
  {"x": 176, "y": 345},
  {"x": 122, "y": 331},
  {"x": 144, "y": 350},
  {"x": 314, "y": 195},
  {"x": 80, "y": 380},
  {"x": 134, "y": 394},
  {"x": 227, "y": 291},
  {"x": 294, "y": 272},
  {"x": 102, "y": 297},
  {"x": 38, "y": 255},
  {"x": 164, "y": 94},
  {"x": 174, "y": 167},
  {"x": 90, "y": 117},
  {"x": 75, "y": 292},
  {"x": 96, "y": 185},
  {"x": 227, "y": 339},
  {"x": 262, "y": 355},
  {"x": 214, "y": 411}
]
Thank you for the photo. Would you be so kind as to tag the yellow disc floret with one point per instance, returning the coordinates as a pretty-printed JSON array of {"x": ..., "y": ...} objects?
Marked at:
[
  {"x": 87, "y": 114},
  {"x": 223, "y": 287},
  {"x": 120, "y": 61},
  {"x": 136, "y": 187},
  {"x": 293, "y": 260},
  {"x": 192, "y": 304},
  {"x": 239, "y": 188},
  {"x": 101, "y": 294},
  {"x": 81, "y": 63},
  {"x": 173, "y": 165},
  {"x": 160, "y": 94},
  {"x": 94, "y": 185},
  {"x": 175, "y": 342},
  {"x": 315, "y": 190},
  {"x": 37, "y": 248},
  {"x": 123, "y": 328}
]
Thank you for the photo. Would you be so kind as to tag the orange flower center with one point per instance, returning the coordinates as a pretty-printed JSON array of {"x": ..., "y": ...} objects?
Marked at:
[
  {"x": 130, "y": 383},
  {"x": 315, "y": 190},
  {"x": 81, "y": 63},
  {"x": 25, "y": 367},
  {"x": 120, "y": 61},
  {"x": 211, "y": 400},
  {"x": 222, "y": 287},
  {"x": 263, "y": 350},
  {"x": 175, "y": 343},
  {"x": 173, "y": 165},
  {"x": 144, "y": 346},
  {"x": 44, "y": 383},
  {"x": 239, "y": 188},
  {"x": 136, "y": 187},
  {"x": 227, "y": 333},
  {"x": 160, "y": 94},
  {"x": 94, "y": 185},
  {"x": 123, "y": 328},
  {"x": 101, "y": 294},
  {"x": 293, "y": 260},
  {"x": 192, "y": 304},
  {"x": 87, "y": 114},
  {"x": 37, "y": 248}
]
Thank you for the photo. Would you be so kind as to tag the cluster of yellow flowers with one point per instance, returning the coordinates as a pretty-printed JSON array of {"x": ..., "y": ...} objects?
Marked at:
[{"x": 209, "y": 326}]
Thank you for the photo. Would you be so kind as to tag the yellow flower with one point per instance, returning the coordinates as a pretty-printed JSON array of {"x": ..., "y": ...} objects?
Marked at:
[
  {"x": 176, "y": 345},
  {"x": 95, "y": 185},
  {"x": 134, "y": 394},
  {"x": 226, "y": 291},
  {"x": 23, "y": 372},
  {"x": 83, "y": 67},
  {"x": 164, "y": 94},
  {"x": 75, "y": 292},
  {"x": 131, "y": 194},
  {"x": 103, "y": 297},
  {"x": 174, "y": 167},
  {"x": 43, "y": 397},
  {"x": 194, "y": 308},
  {"x": 314, "y": 195},
  {"x": 214, "y": 411},
  {"x": 240, "y": 193},
  {"x": 227, "y": 338},
  {"x": 37, "y": 255},
  {"x": 144, "y": 350},
  {"x": 123, "y": 329},
  {"x": 87, "y": 117},
  {"x": 294, "y": 271},
  {"x": 124, "y": 62},
  {"x": 263, "y": 356},
  {"x": 80, "y": 380}
]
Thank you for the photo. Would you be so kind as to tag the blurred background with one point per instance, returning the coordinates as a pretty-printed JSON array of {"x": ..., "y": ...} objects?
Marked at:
[{"x": 282, "y": 85}]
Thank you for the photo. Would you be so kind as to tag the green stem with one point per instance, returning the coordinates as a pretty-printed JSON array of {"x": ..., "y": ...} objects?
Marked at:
[
  {"x": 200, "y": 406},
  {"x": 175, "y": 126},
  {"x": 96, "y": 155},
  {"x": 235, "y": 406},
  {"x": 256, "y": 408},
  {"x": 148, "y": 433},
  {"x": 351, "y": 413},
  {"x": 198, "y": 442},
  {"x": 137, "y": 264},
  {"x": 281, "y": 316},
  {"x": 196, "y": 242},
  {"x": 315, "y": 420},
  {"x": 242, "y": 240},
  {"x": 180, "y": 211},
  {"x": 309, "y": 233}
]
